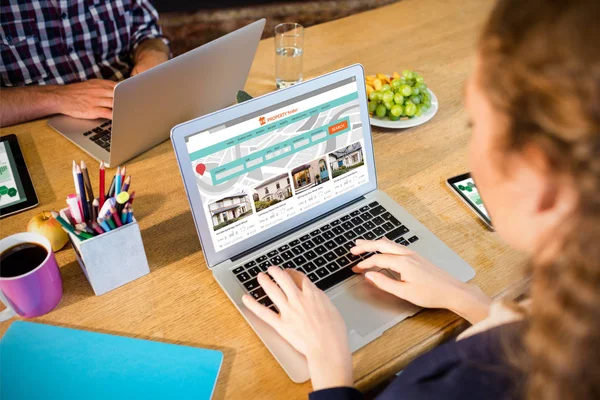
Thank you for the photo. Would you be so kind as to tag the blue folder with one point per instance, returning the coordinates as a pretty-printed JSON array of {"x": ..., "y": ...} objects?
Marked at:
[{"x": 46, "y": 362}]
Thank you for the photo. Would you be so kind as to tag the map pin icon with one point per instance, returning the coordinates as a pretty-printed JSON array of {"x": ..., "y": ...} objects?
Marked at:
[{"x": 200, "y": 168}]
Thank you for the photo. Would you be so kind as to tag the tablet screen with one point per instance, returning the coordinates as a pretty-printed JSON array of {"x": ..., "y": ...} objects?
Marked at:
[{"x": 11, "y": 188}]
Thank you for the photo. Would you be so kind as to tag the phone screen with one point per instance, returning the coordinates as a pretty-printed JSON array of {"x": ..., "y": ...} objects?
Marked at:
[{"x": 469, "y": 191}]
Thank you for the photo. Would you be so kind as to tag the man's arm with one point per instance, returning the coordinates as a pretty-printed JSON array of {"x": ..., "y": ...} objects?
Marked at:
[
  {"x": 149, "y": 46},
  {"x": 148, "y": 54},
  {"x": 90, "y": 100},
  {"x": 27, "y": 103}
]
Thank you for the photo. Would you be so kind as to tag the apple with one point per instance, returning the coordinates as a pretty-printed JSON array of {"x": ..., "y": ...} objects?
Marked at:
[{"x": 45, "y": 225}]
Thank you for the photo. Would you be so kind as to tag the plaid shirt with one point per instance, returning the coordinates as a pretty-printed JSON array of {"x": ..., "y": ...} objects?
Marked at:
[{"x": 61, "y": 41}]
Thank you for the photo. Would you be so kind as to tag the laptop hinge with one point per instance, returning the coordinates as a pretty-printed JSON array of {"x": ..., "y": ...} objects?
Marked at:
[{"x": 287, "y": 233}]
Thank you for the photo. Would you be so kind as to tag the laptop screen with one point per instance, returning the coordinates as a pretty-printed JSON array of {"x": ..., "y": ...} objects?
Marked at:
[{"x": 260, "y": 170}]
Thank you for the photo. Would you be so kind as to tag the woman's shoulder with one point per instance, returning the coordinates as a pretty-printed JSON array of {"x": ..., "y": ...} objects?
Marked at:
[{"x": 475, "y": 367}]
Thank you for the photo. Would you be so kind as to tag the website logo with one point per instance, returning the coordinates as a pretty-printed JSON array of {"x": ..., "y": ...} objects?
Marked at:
[{"x": 262, "y": 121}]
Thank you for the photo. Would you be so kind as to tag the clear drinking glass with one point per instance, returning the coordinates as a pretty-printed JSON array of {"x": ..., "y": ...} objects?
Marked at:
[{"x": 289, "y": 47}]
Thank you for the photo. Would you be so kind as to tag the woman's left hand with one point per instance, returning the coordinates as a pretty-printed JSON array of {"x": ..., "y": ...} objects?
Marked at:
[{"x": 310, "y": 322}]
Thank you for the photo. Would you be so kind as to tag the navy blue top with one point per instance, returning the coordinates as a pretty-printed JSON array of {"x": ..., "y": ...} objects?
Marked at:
[{"x": 472, "y": 368}]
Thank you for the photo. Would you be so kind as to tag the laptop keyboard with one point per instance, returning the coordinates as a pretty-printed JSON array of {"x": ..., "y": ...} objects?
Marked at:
[
  {"x": 101, "y": 135},
  {"x": 324, "y": 254}
]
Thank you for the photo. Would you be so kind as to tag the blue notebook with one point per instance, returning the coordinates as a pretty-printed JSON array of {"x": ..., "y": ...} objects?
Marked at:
[{"x": 41, "y": 361}]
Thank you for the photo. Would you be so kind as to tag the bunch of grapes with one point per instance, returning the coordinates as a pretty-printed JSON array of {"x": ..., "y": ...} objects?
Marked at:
[{"x": 405, "y": 96}]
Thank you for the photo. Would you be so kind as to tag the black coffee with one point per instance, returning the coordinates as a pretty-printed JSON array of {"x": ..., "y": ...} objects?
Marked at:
[{"x": 21, "y": 259}]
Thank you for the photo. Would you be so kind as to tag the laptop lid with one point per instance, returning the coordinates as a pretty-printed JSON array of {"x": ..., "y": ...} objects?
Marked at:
[
  {"x": 257, "y": 170},
  {"x": 201, "y": 81}
]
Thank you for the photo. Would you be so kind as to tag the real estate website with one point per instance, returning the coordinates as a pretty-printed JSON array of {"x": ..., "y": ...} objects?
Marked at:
[{"x": 265, "y": 168}]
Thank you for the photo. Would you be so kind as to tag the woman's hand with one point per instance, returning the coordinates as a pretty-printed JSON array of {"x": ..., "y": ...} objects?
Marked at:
[
  {"x": 421, "y": 282},
  {"x": 309, "y": 321}
]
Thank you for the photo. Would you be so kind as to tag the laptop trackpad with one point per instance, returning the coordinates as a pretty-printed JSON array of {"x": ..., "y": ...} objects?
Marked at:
[{"x": 366, "y": 308}]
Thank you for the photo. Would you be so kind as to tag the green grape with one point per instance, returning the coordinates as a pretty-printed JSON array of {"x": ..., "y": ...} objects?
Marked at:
[
  {"x": 402, "y": 81},
  {"x": 410, "y": 109},
  {"x": 372, "y": 106},
  {"x": 385, "y": 88},
  {"x": 420, "y": 79},
  {"x": 407, "y": 74},
  {"x": 373, "y": 95},
  {"x": 415, "y": 99},
  {"x": 387, "y": 96},
  {"x": 396, "y": 85},
  {"x": 398, "y": 98},
  {"x": 424, "y": 108},
  {"x": 416, "y": 90},
  {"x": 393, "y": 117},
  {"x": 427, "y": 103},
  {"x": 419, "y": 111},
  {"x": 406, "y": 90},
  {"x": 396, "y": 111},
  {"x": 388, "y": 104},
  {"x": 422, "y": 87},
  {"x": 381, "y": 111}
]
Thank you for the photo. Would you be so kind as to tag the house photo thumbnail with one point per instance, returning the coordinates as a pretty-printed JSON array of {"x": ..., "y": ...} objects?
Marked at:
[
  {"x": 272, "y": 191},
  {"x": 229, "y": 209},
  {"x": 346, "y": 159},
  {"x": 309, "y": 175}
]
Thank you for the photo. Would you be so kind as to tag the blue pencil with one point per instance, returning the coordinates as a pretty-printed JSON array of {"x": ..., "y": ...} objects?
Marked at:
[
  {"x": 118, "y": 182},
  {"x": 104, "y": 224},
  {"x": 84, "y": 205}
]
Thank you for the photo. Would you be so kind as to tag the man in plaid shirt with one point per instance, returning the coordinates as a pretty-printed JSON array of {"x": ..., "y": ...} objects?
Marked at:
[{"x": 65, "y": 57}]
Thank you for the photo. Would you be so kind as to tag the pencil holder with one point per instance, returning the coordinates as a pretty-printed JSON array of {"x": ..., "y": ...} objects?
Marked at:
[{"x": 112, "y": 259}]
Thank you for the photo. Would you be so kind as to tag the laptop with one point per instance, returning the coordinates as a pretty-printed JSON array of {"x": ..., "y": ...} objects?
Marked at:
[
  {"x": 148, "y": 105},
  {"x": 288, "y": 179}
]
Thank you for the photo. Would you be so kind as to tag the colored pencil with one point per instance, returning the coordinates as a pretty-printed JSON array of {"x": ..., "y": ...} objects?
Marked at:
[
  {"x": 110, "y": 222},
  {"x": 131, "y": 197},
  {"x": 111, "y": 188},
  {"x": 97, "y": 228},
  {"x": 130, "y": 214},
  {"x": 116, "y": 216},
  {"x": 101, "y": 183},
  {"x": 66, "y": 226},
  {"x": 85, "y": 235},
  {"x": 88, "y": 183},
  {"x": 118, "y": 181},
  {"x": 84, "y": 205},
  {"x": 126, "y": 184},
  {"x": 124, "y": 216},
  {"x": 104, "y": 224}
]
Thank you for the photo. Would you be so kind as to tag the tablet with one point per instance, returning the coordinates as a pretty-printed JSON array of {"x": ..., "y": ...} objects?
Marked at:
[{"x": 16, "y": 189}]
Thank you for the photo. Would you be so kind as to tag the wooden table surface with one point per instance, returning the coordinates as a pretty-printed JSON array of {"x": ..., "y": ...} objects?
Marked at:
[{"x": 179, "y": 301}]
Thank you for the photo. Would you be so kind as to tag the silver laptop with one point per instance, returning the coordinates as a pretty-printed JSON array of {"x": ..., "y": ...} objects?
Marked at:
[
  {"x": 148, "y": 105},
  {"x": 288, "y": 179}
]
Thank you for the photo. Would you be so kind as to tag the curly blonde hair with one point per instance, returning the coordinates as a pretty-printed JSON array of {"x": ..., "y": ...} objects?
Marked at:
[{"x": 541, "y": 68}]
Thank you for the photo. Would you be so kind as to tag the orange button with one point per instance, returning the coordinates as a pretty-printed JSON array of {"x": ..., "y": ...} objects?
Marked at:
[{"x": 333, "y": 129}]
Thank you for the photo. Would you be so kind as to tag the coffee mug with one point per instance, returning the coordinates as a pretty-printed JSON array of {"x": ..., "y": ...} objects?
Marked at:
[{"x": 33, "y": 286}]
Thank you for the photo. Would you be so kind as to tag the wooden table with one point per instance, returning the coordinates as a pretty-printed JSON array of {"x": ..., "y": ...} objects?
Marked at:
[{"x": 179, "y": 302}]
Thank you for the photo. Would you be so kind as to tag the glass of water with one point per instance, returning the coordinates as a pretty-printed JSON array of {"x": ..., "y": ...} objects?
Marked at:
[{"x": 289, "y": 47}]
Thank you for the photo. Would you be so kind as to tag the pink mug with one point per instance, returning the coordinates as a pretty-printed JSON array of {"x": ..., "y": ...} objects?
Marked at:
[{"x": 38, "y": 289}]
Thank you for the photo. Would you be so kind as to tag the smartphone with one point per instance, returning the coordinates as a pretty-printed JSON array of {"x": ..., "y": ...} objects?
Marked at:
[{"x": 464, "y": 186}]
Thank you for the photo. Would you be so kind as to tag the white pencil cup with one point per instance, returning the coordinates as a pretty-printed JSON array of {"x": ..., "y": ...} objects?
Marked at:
[{"x": 112, "y": 259}]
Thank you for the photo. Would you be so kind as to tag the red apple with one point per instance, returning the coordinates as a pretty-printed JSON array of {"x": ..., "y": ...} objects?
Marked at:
[{"x": 45, "y": 225}]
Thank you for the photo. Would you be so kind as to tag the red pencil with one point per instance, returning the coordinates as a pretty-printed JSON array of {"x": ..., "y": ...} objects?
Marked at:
[
  {"x": 131, "y": 198},
  {"x": 101, "y": 183}
]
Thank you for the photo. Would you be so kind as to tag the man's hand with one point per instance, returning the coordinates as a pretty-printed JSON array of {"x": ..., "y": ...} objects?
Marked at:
[
  {"x": 149, "y": 54},
  {"x": 88, "y": 100}
]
